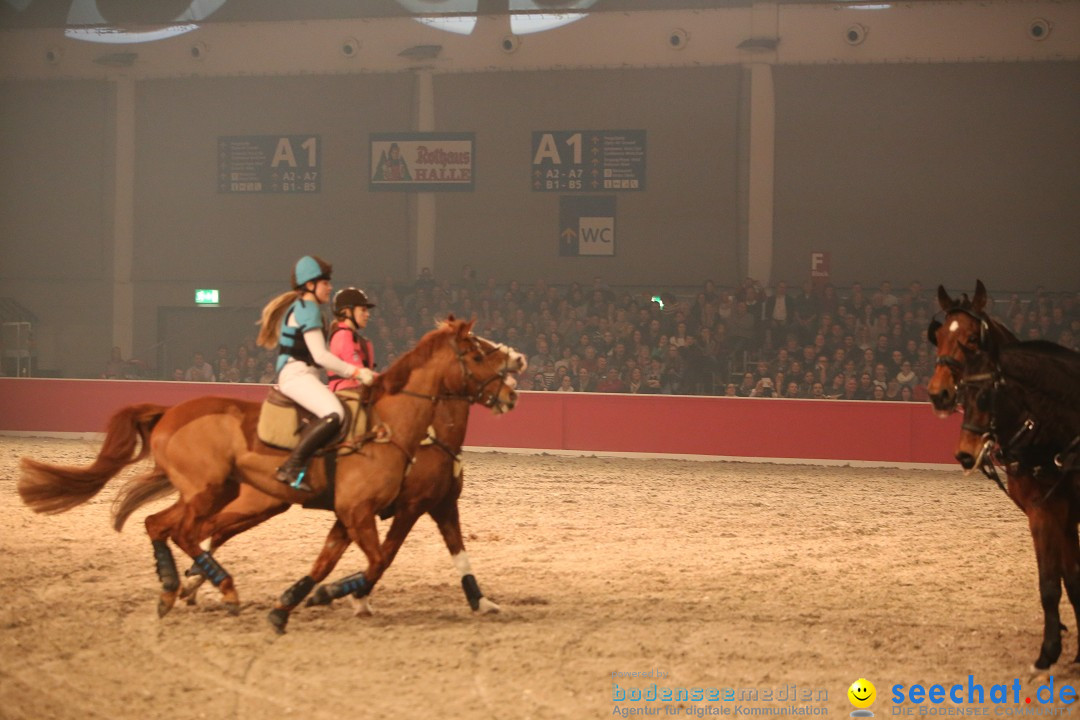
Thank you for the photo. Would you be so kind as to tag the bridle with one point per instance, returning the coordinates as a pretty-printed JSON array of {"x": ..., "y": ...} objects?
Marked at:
[
  {"x": 482, "y": 395},
  {"x": 971, "y": 347}
]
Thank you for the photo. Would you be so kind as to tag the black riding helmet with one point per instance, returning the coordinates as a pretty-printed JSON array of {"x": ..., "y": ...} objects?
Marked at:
[{"x": 350, "y": 297}]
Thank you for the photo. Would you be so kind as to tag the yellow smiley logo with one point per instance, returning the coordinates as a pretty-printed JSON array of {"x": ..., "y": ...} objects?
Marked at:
[{"x": 862, "y": 693}]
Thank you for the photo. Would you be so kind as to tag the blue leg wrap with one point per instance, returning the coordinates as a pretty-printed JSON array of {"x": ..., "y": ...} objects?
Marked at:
[
  {"x": 355, "y": 585},
  {"x": 211, "y": 569}
]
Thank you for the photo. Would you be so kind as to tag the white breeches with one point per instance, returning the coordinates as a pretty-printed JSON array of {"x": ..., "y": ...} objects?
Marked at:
[{"x": 301, "y": 383}]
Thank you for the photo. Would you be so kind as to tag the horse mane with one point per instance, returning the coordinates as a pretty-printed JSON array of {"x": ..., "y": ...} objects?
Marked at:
[
  {"x": 1044, "y": 378},
  {"x": 395, "y": 377}
]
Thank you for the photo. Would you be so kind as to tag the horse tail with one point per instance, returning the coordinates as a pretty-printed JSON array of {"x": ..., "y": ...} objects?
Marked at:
[
  {"x": 137, "y": 492},
  {"x": 53, "y": 489}
]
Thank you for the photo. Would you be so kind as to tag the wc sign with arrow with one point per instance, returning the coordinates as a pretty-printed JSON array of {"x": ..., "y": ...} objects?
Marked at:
[{"x": 586, "y": 225}]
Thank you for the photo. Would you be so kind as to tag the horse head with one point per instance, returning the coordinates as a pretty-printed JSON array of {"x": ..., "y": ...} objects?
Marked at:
[
  {"x": 962, "y": 335},
  {"x": 1023, "y": 409},
  {"x": 488, "y": 369},
  {"x": 978, "y": 433},
  {"x": 500, "y": 392}
]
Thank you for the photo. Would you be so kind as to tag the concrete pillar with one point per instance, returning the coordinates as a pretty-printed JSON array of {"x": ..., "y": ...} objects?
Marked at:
[
  {"x": 424, "y": 255},
  {"x": 123, "y": 234},
  {"x": 762, "y": 173}
]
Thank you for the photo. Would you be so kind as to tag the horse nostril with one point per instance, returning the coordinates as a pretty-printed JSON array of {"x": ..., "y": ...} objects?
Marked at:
[{"x": 966, "y": 460}]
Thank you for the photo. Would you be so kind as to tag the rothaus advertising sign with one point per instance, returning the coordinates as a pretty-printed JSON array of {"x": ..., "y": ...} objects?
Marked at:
[{"x": 422, "y": 162}]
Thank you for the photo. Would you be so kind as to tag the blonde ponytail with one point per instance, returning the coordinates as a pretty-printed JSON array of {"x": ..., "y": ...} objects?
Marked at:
[{"x": 270, "y": 319}]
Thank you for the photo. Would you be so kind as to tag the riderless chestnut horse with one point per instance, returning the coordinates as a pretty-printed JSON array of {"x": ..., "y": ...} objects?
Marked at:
[
  {"x": 432, "y": 485},
  {"x": 1015, "y": 416},
  {"x": 207, "y": 447}
]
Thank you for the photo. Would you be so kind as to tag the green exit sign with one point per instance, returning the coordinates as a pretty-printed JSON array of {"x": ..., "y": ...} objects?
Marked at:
[{"x": 206, "y": 297}]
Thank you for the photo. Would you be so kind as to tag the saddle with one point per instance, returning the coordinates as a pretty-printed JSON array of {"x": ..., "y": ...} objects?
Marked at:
[{"x": 281, "y": 421}]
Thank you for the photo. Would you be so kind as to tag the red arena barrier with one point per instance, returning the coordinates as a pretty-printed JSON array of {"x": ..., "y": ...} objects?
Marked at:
[{"x": 829, "y": 431}]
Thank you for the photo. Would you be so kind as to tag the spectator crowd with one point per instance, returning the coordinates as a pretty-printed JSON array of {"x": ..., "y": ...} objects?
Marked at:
[{"x": 748, "y": 341}]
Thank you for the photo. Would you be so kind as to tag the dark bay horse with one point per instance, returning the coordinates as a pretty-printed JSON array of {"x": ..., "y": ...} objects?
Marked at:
[
  {"x": 1020, "y": 403},
  {"x": 207, "y": 448},
  {"x": 432, "y": 485}
]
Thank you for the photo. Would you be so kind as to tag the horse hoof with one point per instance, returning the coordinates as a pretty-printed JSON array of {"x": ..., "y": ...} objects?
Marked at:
[
  {"x": 279, "y": 619},
  {"x": 165, "y": 604},
  {"x": 362, "y": 606},
  {"x": 487, "y": 607},
  {"x": 189, "y": 589},
  {"x": 232, "y": 608}
]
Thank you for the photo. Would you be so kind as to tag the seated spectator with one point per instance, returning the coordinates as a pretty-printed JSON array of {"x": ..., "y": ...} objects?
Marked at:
[
  {"x": 654, "y": 378},
  {"x": 539, "y": 382},
  {"x": 115, "y": 367},
  {"x": 907, "y": 375},
  {"x": 585, "y": 381},
  {"x": 609, "y": 381},
  {"x": 747, "y": 385},
  {"x": 250, "y": 372},
  {"x": 763, "y": 388},
  {"x": 565, "y": 384},
  {"x": 269, "y": 375},
  {"x": 865, "y": 386},
  {"x": 200, "y": 370},
  {"x": 636, "y": 383},
  {"x": 226, "y": 372},
  {"x": 892, "y": 390},
  {"x": 731, "y": 390}
]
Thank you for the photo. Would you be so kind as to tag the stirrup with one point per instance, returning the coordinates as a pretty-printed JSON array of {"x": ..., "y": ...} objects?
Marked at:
[{"x": 297, "y": 483}]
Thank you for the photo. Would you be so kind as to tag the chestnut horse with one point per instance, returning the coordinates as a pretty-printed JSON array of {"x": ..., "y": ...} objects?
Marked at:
[
  {"x": 1015, "y": 416},
  {"x": 207, "y": 448},
  {"x": 432, "y": 485}
]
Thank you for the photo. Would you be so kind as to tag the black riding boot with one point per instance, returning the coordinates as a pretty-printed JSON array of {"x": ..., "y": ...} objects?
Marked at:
[{"x": 317, "y": 434}]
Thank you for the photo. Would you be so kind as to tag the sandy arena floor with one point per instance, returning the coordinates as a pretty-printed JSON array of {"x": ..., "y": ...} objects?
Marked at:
[{"x": 714, "y": 574}]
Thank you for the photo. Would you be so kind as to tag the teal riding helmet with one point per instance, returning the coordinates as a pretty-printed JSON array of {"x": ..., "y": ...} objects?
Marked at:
[{"x": 310, "y": 268}]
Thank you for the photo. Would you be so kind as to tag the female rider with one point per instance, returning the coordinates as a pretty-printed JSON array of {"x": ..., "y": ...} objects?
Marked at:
[
  {"x": 292, "y": 323},
  {"x": 352, "y": 310}
]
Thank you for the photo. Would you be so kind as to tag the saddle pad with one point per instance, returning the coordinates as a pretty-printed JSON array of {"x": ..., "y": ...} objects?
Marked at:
[{"x": 281, "y": 419}]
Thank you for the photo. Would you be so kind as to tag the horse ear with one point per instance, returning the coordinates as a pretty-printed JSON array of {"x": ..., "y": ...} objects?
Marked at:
[
  {"x": 943, "y": 298},
  {"x": 979, "y": 301},
  {"x": 931, "y": 332}
]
